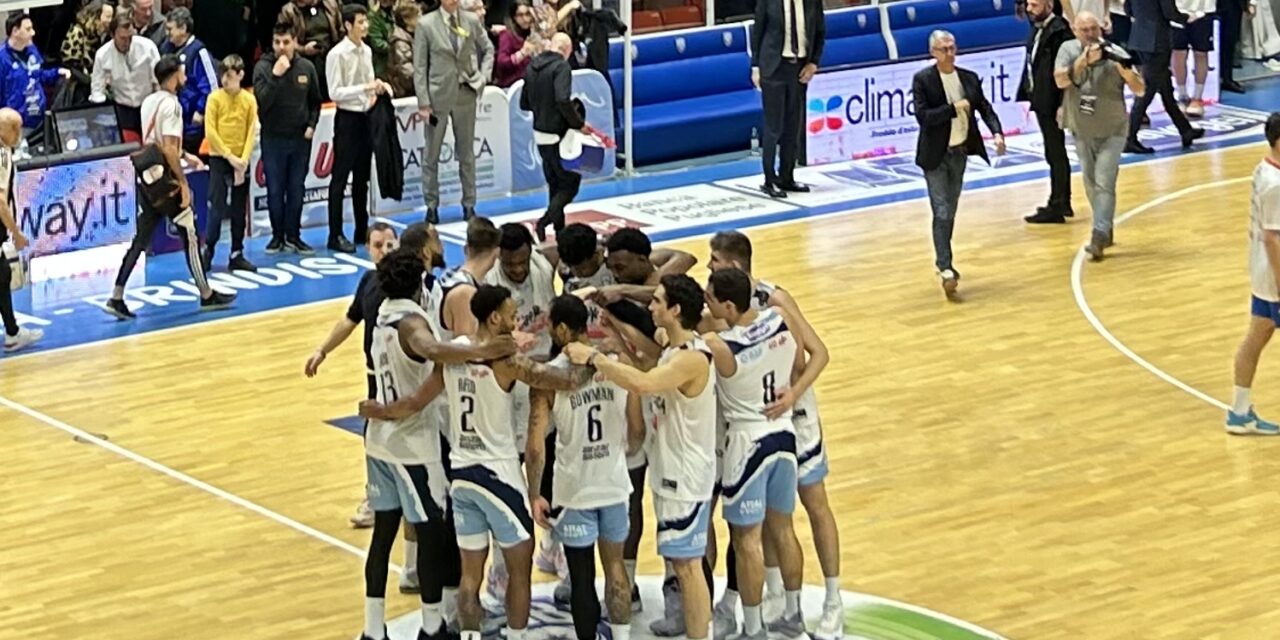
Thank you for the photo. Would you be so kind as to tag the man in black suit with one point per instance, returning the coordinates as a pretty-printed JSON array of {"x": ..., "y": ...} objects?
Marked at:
[
  {"x": 1152, "y": 39},
  {"x": 1048, "y": 32},
  {"x": 945, "y": 98},
  {"x": 1231, "y": 12},
  {"x": 786, "y": 46}
]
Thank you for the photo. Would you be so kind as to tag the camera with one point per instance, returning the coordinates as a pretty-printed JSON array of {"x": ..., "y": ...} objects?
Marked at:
[{"x": 1113, "y": 52}]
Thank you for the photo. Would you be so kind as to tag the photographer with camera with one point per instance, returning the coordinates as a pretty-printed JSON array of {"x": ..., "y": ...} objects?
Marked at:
[{"x": 1093, "y": 74}]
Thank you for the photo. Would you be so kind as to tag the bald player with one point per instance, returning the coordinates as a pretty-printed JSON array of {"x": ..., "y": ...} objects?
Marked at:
[{"x": 15, "y": 337}]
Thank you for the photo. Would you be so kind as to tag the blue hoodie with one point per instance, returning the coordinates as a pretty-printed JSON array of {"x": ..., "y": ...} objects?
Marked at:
[
  {"x": 22, "y": 82},
  {"x": 202, "y": 79}
]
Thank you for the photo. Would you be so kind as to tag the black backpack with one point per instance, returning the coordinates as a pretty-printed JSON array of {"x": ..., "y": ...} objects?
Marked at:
[{"x": 157, "y": 184}]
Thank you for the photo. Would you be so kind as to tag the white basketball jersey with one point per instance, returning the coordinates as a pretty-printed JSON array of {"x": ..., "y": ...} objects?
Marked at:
[
  {"x": 451, "y": 280},
  {"x": 805, "y": 413},
  {"x": 683, "y": 455},
  {"x": 760, "y": 297},
  {"x": 603, "y": 277},
  {"x": 533, "y": 300},
  {"x": 412, "y": 440},
  {"x": 591, "y": 444},
  {"x": 766, "y": 353},
  {"x": 479, "y": 414}
]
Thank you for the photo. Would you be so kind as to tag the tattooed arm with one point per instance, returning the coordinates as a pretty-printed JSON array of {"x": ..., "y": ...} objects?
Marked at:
[
  {"x": 535, "y": 455},
  {"x": 540, "y": 376}
]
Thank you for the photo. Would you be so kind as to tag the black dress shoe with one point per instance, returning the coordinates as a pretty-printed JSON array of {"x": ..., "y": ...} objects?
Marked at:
[
  {"x": 1046, "y": 215},
  {"x": 773, "y": 191},
  {"x": 1232, "y": 86},
  {"x": 794, "y": 187},
  {"x": 342, "y": 245},
  {"x": 1146, "y": 120},
  {"x": 1133, "y": 146},
  {"x": 433, "y": 215},
  {"x": 1191, "y": 135}
]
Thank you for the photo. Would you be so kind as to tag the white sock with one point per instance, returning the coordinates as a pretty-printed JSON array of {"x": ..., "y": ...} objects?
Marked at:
[
  {"x": 773, "y": 580},
  {"x": 469, "y": 635},
  {"x": 630, "y": 566},
  {"x": 793, "y": 604},
  {"x": 449, "y": 605},
  {"x": 410, "y": 556},
  {"x": 1242, "y": 401},
  {"x": 1182, "y": 91},
  {"x": 513, "y": 634},
  {"x": 729, "y": 600},
  {"x": 620, "y": 631},
  {"x": 751, "y": 621},
  {"x": 833, "y": 590},
  {"x": 1199, "y": 95},
  {"x": 431, "y": 618},
  {"x": 375, "y": 617}
]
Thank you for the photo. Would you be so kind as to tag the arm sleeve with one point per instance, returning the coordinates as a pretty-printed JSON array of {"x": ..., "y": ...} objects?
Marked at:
[
  {"x": 507, "y": 48},
  {"x": 757, "y": 31},
  {"x": 925, "y": 114},
  {"x": 983, "y": 107},
  {"x": 355, "y": 312},
  {"x": 206, "y": 79},
  {"x": 212, "y": 119},
  {"x": 484, "y": 48},
  {"x": 98, "y": 81},
  {"x": 422, "y": 64},
  {"x": 313, "y": 99},
  {"x": 264, "y": 88},
  {"x": 819, "y": 37},
  {"x": 564, "y": 97},
  {"x": 250, "y": 131}
]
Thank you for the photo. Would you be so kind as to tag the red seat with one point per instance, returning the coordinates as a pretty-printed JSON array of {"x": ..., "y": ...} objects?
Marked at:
[
  {"x": 646, "y": 21},
  {"x": 682, "y": 16}
]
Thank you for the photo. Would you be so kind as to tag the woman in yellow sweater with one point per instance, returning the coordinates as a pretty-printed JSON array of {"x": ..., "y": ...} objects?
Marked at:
[{"x": 230, "y": 117}]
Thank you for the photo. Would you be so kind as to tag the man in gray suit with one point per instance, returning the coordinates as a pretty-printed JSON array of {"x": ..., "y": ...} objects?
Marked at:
[{"x": 452, "y": 63}]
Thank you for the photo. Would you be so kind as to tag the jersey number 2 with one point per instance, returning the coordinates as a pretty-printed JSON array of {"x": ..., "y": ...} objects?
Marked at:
[
  {"x": 468, "y": 407},
  {"x": 595, "y": 428}
]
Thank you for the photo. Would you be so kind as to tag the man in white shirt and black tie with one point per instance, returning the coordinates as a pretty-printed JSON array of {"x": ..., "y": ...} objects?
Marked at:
[
  {"x": 786, "y": 46},
  {"x": 354, "y": 89},
  {"x": 124, "y": 72}
]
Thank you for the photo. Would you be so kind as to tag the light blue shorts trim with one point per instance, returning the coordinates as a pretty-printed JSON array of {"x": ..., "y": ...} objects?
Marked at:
[
  {"x": 760, "y": 476},
  {"x": 484, "y": 503},
  {"x": 682, "y": 527},
  {"x": 813, "y": 466},
  {"x": 582, "y": 527},
  {"x": 419, "y": 490}
]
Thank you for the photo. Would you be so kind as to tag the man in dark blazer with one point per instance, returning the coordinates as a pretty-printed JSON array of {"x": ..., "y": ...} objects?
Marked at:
[
  {"x": 1048, "y": 32},
  {"x": 1231, "y": 13},
  {"x": 946, "y": 98},
  {"x": 786, "y": 47},
  {"x": 1152, "y": 39}
]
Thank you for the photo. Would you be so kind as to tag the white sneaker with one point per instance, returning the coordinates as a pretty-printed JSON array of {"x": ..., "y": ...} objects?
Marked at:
[
  {"x": 772, "y": 606},
  {"x": 831, "y": 625},
  {"x": 671, "y": 624},
  {"x": 724, "y": 620},
  {"x": 409, "y": 582},
  {"x": 24, "y": 338},
  {"x": 1272, "y": 64},
  {"x": 363, "y": 517}
]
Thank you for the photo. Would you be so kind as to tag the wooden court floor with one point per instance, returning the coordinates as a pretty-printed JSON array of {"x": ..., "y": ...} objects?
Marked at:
[{"x": 995, "y": 460}]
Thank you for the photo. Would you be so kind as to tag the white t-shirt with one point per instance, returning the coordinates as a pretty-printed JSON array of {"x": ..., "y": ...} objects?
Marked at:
[
  {"x": 955, "y": 93},
  {"x": 167, "y": 113},
  {"x": 1264, "y": 215}
]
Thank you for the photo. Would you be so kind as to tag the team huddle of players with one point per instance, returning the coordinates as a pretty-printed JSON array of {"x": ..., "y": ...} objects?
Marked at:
[{"x": 501, "y": 405}]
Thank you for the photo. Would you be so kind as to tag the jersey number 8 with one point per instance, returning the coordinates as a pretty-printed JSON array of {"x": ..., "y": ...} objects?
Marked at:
[{"x": 770, "y": 395}]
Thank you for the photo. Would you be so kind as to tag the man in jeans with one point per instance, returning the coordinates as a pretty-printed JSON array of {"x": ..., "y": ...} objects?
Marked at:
[
  {"x": 946, "y": 98},
  {"x": 288, "y": 92},
  {"x": 1094, "y": 112}
]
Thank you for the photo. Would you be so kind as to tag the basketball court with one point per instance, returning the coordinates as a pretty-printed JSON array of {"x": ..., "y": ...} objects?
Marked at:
[{"x": 1044, "y": 460}]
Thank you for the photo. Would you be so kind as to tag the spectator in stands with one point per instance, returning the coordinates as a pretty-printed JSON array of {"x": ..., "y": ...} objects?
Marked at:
[
  {"x": 452, "y": 63},
  {"x": 23, "y": 76},
  {"x": 317, "y": 26},
  {"x": 91, "y": 31},
  {"x": 202, "y": 76},
  {"x": 548, "y": 94},
  {"x": 786, "y": 46},
  {"x": 399, "y": 73},
  {"x": 1231, "y": 13},
  {"x": 354, "y": 90},
  {"x": 946, "y": 100},
  {"x": 1198, "y": 37},
  {"x": 1152, "y": 38},
  {"x": 1094, "y": 111},
  {"x": 382, "y": 23},
  {"x": 123, "y": 72},
  {"x": 148, "y": 22},
  {"x": 288, "y": 92},
  {"x": 229, "y": 126},
  {"x": 515, "y": 47},
  {"x": 1048, "y": 32},
  {"x": 477, "y": 7}
]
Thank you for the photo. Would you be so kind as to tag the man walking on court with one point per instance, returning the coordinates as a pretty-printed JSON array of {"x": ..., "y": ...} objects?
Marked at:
[
  {"x": 452, "y": 63},
  {"x": 162, "y": 125},
  {"x": 786, "y": 47},
  {"x": 1152, "y": 37},
  {"x": 1264, "y": 274},
  {"x": 946, "y": 99},
  {"x": 1043, "y": 95},
  {"x": 1094, "y": 112},
  {"x": 15, "y": 337}
]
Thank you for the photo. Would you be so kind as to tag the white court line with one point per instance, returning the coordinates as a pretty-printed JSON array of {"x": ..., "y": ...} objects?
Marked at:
[
  {"x": 194, "y": 482},
  {"x": 1077, "y": 288}
]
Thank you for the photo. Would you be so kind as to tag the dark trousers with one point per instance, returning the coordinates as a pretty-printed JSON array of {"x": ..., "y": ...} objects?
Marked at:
[
  {"x": 562, "y": 185},
  {"x": 945, "y": 182},
  {"x": 1159, "y": 81},
  {"x": 1055, "y": 153},
  {"x": 1121, "y": 25},
  {"x": 780, "y": 94},
  {"x": 6, "y": 296},
  {"x": 285, "y": 162},
  {"x": 1231, "y": 18},
  {"x": 352, "y": 158},
  {"x": 221, "y": 179},
  {"x": 129, "y": 118},
  {"x": 148, "y": 218}
]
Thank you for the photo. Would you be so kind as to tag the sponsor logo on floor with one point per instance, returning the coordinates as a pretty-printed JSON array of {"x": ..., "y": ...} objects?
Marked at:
[{"x": 865, "y": 618}]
